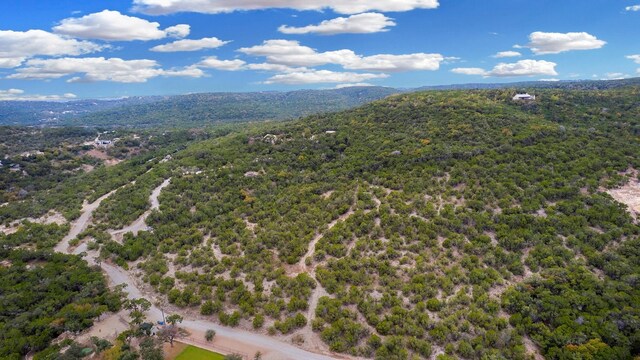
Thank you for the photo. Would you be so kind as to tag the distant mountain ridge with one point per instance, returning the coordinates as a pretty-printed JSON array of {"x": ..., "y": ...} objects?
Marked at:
[
  {"x": 188, "y": 110},
  {"x": 562, "y": 84},
  {"x": 195, "y": 110},
  {"x": 216, "y": 108},
  {"x": 49, "y": 113}
]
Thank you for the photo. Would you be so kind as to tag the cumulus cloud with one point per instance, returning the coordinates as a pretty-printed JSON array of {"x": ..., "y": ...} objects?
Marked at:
[
  {"x": 469, "y": 71},
  {"x": 397, "y": 63},
  {"x": 213, "y": 62},
  {"x": 178, "y": 31},
  {"x": 633, "y": 8},
  {"x": 635, "y": 58},
  {"x": 520, "y": 68},
  {"x": 343, "y": 86},
  {"x": 111, "y": 25},
  {"x": 190, "y": 45},
  {"x": 322, "y": 77},
  {"x": 274, "y": 68},
  {"x": 355, "y": 24},
  {"x": 157, "y": 7},
  {"x": 542, "y": 43},
  {"x": 291, "y": 53},
  {"x": 615, "y": 76},
  {"x": 19, "y": 95},
  {"x": 525, "y": 68},
  {"x": 506, "y": 54},
  {"x": 99, "y": 69},
  {"x": 18, "y": 46}
]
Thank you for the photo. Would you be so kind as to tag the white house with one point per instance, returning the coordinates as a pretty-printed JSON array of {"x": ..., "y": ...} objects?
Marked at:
[
  {"x": 524, "y": 97},
  {"x": 104, "y": 143}
]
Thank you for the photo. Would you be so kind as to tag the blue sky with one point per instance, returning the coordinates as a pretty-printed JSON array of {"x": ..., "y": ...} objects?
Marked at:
[{"x": 66, "y": 49}]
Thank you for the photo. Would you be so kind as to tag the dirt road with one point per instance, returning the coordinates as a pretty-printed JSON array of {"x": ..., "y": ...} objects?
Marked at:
[
  {"x": 80, "y": 224},
  {"x": 140, "y": 224},
  {"x": 227, "y": 338}
]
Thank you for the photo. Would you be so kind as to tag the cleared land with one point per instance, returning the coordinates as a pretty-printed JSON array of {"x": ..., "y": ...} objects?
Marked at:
[{"x": 194, "y": 353}]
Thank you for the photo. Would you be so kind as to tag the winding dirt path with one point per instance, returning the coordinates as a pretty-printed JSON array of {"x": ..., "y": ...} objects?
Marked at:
[
  {"x": 313, "y": 341},
  {"x": 242, "y": 341},
  {"x": 81, "y": 223},
  {"x": 312, "y": 245},
  {"x": 140, "y": 224}
]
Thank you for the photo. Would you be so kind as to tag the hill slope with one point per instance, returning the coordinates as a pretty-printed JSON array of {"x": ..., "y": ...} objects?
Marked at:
[{"x": 457, "y": 222}]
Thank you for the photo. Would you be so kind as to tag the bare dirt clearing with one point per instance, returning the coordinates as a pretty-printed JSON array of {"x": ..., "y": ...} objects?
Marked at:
[{"x": 629, "y": 195}]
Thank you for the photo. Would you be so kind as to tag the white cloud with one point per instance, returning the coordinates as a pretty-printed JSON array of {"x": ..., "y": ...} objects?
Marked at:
[
  {"x": 18, "y": 46},
  {"x": 355, "y": 24},
  {"x": 635, "y": 58},
  {"x": 7, "y": 63},
  {"x": 524, "y": 68},
  {"x": 397, "y": 63},
  {"x": 615, "y": 76},
  {"x": 343, "y": 86},
  {"x": 321, "y": 77},
  {"x": 19, "y": 95},
  {"x": 291, "y": 53},
  {"x": 190, "y": 71},
  {"x": 549, "y": 80},
  {"x": 291, "y": 75},
  {"x": 113, "y": 26},
  {"x": 213, "y": 62},
  {"x": 520, "y": 68},
  {"x": 506, "y": 54},
  {"x": 633, "y": 8},
  {"x": 98, "y": 69},
  {"x": 274, "y": 67},
  {"x": 157, "y": 7},
  {"x": 178, "y": 31},
  {"x": 470, "y": 71},
  {"x": 190, "y": 45},
  {"x": 542, "y": 43}
]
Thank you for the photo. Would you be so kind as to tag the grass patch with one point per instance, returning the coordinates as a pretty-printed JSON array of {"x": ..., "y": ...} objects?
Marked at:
[{"x": 195, "y": 353}]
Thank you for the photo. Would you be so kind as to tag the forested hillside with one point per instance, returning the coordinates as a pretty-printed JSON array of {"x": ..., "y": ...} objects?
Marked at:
[
  {"x": 455, "y": 223},
  {"x": 543, "y": 84},
  {"x": 198, "y": 110},
  {"x": 52, "y": 113},
  {"x": 185, "y": 111},
  {"x": 44, "y": 294}
]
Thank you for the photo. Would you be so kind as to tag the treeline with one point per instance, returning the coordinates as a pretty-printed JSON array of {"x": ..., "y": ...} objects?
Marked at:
[{"x": 44, "y": 294}]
